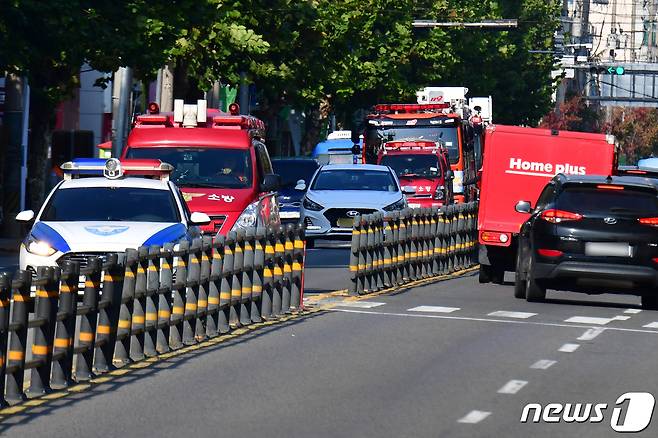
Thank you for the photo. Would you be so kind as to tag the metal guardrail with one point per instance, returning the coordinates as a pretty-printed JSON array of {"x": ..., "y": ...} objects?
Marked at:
[
  {"x": 411, "y": 244},
  {"x": 140, "y": 304}
]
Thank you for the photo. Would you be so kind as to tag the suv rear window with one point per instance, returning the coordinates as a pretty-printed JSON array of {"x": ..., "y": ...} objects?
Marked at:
[{"x": 629, "y": 201}]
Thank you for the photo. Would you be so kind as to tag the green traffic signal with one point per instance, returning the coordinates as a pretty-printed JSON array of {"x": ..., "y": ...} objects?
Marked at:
[
  {"x": 612, "y": 70},
  {"x": 619, "y": 70}
]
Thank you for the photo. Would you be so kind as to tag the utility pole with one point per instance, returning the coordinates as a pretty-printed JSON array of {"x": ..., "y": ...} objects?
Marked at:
[
  {"x": 165, "y": 89},
  {"x": 244, "y": 94},
  {"x": 122, "y": 113}
]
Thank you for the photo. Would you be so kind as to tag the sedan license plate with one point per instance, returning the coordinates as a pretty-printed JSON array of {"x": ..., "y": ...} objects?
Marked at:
[
  {"x": 608, "y": 249},
  {"x": 414, "y": 205},
  {"x": 345, "y": 222},
  {"x": 289, "y": 214}
]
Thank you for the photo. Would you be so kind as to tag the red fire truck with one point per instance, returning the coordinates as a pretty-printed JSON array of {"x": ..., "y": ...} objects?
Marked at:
[
  {"x": 220, "y": 160},
  {"x": 426, "y": 122},
  {"x": 517, "y": 165},
  {"x": 423, "y": 165}
]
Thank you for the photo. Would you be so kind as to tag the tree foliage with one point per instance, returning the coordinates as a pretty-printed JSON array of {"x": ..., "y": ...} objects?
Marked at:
[
  {"x": 575, "y": 115},
  {"x": 636, "y": 129}
]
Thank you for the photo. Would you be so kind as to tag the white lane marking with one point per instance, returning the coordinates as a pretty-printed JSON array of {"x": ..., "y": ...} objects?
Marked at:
[
  {"x": 506, "y": 314},
  {"x": 360, "y": 304},
  {"x": 436, "y": 309},
  {"x": 474, "y": 417},
  {"x": 568, "y": 348},
  {"x": 512, "y": 387},
  {"x": 504, "y": 321},
  {"x": 632, "y": 311},
  {"x": 543, "y": 364},
  {"x": 595, "y": 320},
  {"x": 591, "y": 334},
  {"x": 651, "y": 325}
]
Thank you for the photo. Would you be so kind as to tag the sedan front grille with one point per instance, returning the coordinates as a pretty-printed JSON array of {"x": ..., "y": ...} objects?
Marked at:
[
  {"x": 81, "y": 257},
  {"x": 336, "y": 215}
]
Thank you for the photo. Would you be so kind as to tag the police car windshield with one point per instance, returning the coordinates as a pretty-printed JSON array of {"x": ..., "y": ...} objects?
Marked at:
[
  {"x": 372, "y": 180},
  {"x": 111, "y": 204},
  {"x": 203, "y": 167},
  {"x": 413, "y": 166},
  {"x": 448, "y": 134}
]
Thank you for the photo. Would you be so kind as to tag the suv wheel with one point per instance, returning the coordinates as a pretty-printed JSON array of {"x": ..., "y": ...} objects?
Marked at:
[
  {"x": 533, "y": 290},
  {"x": 650, "y": 300},
  {"x": 519, "y": 278},
  {"x": 485, "y": 274}
]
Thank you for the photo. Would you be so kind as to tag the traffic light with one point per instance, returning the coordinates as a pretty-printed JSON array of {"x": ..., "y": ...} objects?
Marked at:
[{"x": 617, "y": 70}]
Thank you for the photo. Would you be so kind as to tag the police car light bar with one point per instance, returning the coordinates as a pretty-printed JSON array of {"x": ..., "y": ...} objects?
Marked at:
[
  {"x": 113, "y": 168},
  {"x": 410, "y": 107}
]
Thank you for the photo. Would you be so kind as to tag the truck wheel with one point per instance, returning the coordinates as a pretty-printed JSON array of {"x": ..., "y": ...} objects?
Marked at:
[
  {"x": 485, "y": 274},
  {"x": 498, "y": 276},
  {"x": 650, "y": 300},
  {"x": 519, "y": 279},
  {"x": 533, "y": 290}
]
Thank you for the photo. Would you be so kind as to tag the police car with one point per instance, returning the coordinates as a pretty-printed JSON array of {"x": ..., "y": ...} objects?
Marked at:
[{"x": 106, "y": 212}]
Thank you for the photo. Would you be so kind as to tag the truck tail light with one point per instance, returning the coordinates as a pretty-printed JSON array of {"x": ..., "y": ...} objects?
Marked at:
[
  {"x": 609, "y": 187},
  {"x": 651, "y": 221},
  {"x": 556, "y": 216},
  {"x": 549, "y": 252},
  {"x": 494, "y": 237}
]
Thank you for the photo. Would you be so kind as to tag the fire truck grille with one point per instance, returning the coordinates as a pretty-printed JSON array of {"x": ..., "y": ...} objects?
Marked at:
[{"x": 218, "y": 222}]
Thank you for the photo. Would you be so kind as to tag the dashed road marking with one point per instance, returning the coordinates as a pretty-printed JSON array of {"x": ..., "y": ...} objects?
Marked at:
[
  {"x": 474, "y": 417},
  {"x": 568, "y": 348},
  {"x": 507, "y": 314},
  {"x": 543, "y": 364},
  {"x": 591, "y": 334},
  {"x": 632, "y": 311},
  {"x": 595, "y": 320},
  {"x": 651, "y": 325},
  {"x": 512, "y": 387},
  {"x": 435, "y": 309},
  {"x": 360, "y": 304},
  {"x": 502, "y": 321}
]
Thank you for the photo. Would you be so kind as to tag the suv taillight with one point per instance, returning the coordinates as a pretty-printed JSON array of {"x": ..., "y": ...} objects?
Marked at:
[
  {"x": 651, "y": 221},
  {"x": 556, "y": 216}
]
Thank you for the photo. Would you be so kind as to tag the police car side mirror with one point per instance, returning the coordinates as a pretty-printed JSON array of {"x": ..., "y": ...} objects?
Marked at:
[
  {"x": 25, "y": 216},
  {"x": 408, "y": 190},
  {"x": 198, "y": 218},
  {"x": 523, "y": 207},
  {"x": 271, "y": 183},
  {"x": 301, "y": 185}
]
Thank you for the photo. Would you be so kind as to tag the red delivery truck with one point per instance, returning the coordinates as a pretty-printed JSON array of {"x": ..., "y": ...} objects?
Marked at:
[{"x": 518, "y": 163}]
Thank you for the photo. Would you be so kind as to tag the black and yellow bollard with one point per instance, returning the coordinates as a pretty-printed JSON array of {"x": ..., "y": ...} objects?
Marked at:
[
  {"x": 181, "y": 254},
  {"x": 191, "y": 292},
  {"x": 268, "y": 275},
  {"x": 138, "y": 323},
  {"x": 354, "y": 255},
  {"x": 65, "y": 328},
  {"x": 108, "y": 313},
  {"x": 20, "y": 290},
  {"x": 165, "y": 298},
  {"x": 279, "y": 250},
  {"x": 225, "y": 284},
  {"x": 215, "y": 284},
  {"x": 297, "y": 291},
  {"x": 247, "y": 276},
  {"x": 151, "y": 301},
  {"x": 89, "y": 319},
  {"x": 122, "y": 348},
  {"x": 204, "y": 289},
  {"x": 5, "y": 310},
  {"x": 45, "y": 312},
  {"x": 236, "y": 282},
  {"x": 288, "y": 250},
  {"x": 257, "y": 274}
]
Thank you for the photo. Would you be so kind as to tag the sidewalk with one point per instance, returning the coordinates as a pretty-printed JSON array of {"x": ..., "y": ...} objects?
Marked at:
[{"x": 9, "y": 244}]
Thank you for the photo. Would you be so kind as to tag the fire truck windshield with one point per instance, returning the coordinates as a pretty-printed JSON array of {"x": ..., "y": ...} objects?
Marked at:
[
  {"x": 375, "y": 136},
  {"x": 203, "y": 167},
  {"x": 410, "y": 166}
]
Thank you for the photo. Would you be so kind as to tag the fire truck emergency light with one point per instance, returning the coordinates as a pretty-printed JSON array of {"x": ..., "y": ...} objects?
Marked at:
[
  {"x": 234, "y": 109},
  {"x": 153, "y": 108},
  {"x": 410, "y": 107}
]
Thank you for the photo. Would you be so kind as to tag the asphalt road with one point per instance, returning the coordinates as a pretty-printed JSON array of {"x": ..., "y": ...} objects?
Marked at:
[{"x": 451, "y": 359}]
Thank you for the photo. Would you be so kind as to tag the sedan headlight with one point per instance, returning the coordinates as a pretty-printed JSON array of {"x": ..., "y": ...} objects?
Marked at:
[
  {"x": 311, "y": 205},
  {"x": 39, "y": 247},
  {"x": 249, "y": 217},
  {"x": 397, "y": 205}
]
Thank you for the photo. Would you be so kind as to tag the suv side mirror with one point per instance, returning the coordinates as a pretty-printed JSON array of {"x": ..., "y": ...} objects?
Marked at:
[
  {"x": 198, "y": 218},
  {"x": 301, "y": 185},
  {"x": 271, "y": 183},
  {"x": 523, "y": 207},
  {"x": 25, "y": 216}
]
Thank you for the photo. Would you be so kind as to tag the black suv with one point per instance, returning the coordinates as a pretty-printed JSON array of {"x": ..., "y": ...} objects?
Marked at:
[{"x": 591, "y": 234}]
